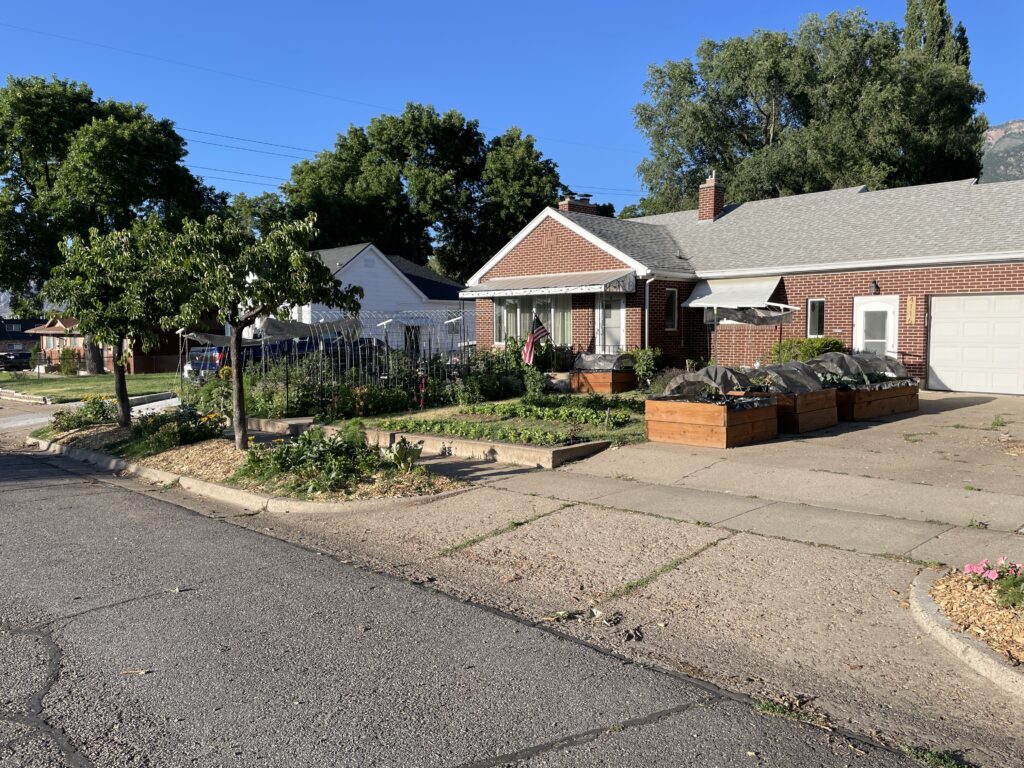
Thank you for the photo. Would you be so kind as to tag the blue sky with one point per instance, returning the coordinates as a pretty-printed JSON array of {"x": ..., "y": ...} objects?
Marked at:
[{"x": 567, "y": 72}]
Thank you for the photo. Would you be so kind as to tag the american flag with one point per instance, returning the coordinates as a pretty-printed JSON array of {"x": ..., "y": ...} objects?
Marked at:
[{"x": 537, "y": 334}]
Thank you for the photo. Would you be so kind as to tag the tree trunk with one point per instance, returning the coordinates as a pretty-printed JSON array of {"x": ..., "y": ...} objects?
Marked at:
[
  {"x": 124, "y": 410},
  {"x": 93, "y": 356},
  {"x": 238, "y": 418}
]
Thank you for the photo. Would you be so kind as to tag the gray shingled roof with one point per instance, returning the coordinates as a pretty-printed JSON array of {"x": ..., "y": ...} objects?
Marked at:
[
  {"x": 652, "y": 246},
  {"x": 336, "y": 258},
  {"x": 434, "y": 286},
  {"x": 826, "y": 228}
]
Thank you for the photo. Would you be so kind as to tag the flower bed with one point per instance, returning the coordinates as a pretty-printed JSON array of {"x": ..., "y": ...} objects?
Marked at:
[
  {"x": 723, "y": 422},
  {"x": 547, "y": 420},
  {"x": 987, "y": 600}
]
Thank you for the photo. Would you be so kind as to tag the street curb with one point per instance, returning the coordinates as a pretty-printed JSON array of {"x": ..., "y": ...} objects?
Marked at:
[
  {"x": 18, "y": 397},
  {"x": 236, "y": 497},
  {"x": 971, "y": 651},
  {"x": 10, "y": 394}
]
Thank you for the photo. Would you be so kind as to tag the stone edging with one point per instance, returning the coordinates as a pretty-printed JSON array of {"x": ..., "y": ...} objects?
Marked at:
[
  {"x": 10, "y": 394},
  {"x": 548, "y": 457},
  {"x": 226, "y": 494},
  {"x": 973, "y": 652}
]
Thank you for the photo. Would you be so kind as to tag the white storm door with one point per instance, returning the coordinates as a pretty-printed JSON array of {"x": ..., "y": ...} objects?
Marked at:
[
  {"x": 609, "y": 324},
  {"x": 875, "y": 324}
]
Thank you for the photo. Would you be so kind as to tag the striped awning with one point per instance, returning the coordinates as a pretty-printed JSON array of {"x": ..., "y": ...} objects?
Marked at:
[{"x": 605, "y": 281}]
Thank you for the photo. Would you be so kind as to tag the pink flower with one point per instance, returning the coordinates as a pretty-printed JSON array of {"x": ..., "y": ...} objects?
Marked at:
[
  {"x": 1001, "y": 561},
  {"x": 972, "y": 568},
  {"x": 990, "y": 575}
]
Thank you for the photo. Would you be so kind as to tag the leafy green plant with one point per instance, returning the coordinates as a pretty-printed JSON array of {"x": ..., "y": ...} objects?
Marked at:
[
  {"x": 533, "y": 380},
  {"x": 1006, "y": 577},
  {"x": 163, "y": 430},
  {"x": 317, "y": 463},
  {"x": 404, "y": 454},
  {"x": 476, "y": 430},
  {"x": 646, "y": 363},
  {"x": 805, "y": 349},
  {"x": 94, "y": 410}
]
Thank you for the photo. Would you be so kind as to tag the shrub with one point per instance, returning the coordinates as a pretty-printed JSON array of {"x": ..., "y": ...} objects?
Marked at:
[
  {"x": 805, "y": 349},
  {"x": 533, "y": 381},
  {"x": 184, "y": 425},
  {"x": 94, "y": 410},
  {"x": 646, "y": 363},
  {"x": 316, "y": 463},
  {"x": 477, "y": 430},
  {"x": 68, "y": 362}
]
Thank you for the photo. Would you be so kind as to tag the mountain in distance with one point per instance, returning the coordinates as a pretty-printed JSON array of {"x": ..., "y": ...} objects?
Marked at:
[{"x": 1003, "y": 159}]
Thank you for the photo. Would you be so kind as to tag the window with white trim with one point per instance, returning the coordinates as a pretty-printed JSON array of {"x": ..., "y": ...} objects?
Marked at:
[
  {"x": 513, "y": 317},
  {"x": 815, "y": 318},
  {"x": 671, "y": 309}
]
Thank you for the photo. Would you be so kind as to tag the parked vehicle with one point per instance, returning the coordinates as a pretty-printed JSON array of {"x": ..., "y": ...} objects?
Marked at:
[{"x": 15, "y": 361}]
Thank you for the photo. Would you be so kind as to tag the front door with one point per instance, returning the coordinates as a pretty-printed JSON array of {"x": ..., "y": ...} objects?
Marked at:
[
  {"x": 610, "y": 324},
  {"x": 875, "y": 320}
]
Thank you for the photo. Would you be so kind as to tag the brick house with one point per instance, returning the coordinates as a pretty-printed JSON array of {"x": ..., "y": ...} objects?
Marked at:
[
  {"x": 932, "y": 275},
  {"x": 60, "y": 333}
]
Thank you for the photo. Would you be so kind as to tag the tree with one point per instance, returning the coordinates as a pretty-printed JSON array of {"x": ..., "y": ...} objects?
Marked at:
[
  {"x": 426, "y": 185},
  {"x": 839, "y": 102},
  {"x": 70, "y": 163},
  {"x": 241, "y": 277},
  {"x": 118, "y": 286}
]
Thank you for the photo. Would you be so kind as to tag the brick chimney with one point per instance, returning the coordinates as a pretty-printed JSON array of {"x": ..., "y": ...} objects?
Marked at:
[
  {"x": 577, "y": 204},
  {"x": 710, "y": 199}
]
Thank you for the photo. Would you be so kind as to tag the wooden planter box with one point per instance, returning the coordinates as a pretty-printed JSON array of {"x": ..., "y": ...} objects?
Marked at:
[
  {"x": 708, "y": 424},
  {"x": 603, "y": 382},
  {"x": 806, "y": 411},
  {"x": 861, "y": 404}
]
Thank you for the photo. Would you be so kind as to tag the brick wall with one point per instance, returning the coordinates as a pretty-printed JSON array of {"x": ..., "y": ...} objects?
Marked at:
[
  {"x": 743, "y": 344},
  {"x": 552, "y": 248}
]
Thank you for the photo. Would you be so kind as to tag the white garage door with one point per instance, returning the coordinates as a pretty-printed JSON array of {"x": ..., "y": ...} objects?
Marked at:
[{"x": 976, "y": 343}]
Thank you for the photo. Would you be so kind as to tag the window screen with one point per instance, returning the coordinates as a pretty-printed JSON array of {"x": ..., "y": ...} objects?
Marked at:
[{"x": 816, "y": 317}]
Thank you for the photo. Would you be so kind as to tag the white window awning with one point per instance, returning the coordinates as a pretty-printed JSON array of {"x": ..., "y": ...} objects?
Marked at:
[
  {"x": 736, "y": 293},
  {"x": 605, "y": 281}
]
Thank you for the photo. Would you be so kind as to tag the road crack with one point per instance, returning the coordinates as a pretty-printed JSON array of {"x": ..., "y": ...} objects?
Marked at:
[{"x": 35, "y": 717}]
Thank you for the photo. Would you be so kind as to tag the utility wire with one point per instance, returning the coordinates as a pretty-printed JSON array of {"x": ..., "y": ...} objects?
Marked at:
[
  {"x": 247, "y": 149},
  {"x": 251, "y": 141},
  {"x": 200, "y": 67},
  {"x": 237, "y": 173},
  {"x": 260, "y": 81}
]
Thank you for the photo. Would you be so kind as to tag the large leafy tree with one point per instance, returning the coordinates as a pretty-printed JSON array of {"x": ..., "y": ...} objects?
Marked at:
[
  {"x": 119, "y": 286},
  {"x": 70, "y": 163},
  {"x": 426, "y": 185},
  {"x": 240, "y": 276},
  {"x": 841, "y": 101}
]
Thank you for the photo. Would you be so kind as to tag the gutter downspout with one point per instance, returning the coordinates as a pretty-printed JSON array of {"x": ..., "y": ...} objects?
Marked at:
[{"x": 647, "y": 311}]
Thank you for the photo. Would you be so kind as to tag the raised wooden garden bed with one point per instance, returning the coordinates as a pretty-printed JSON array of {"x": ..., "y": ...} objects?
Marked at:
[
  {"x": 603, "y": 382},
  {"x": 685, "y": 422},
  {"x": 870, "y": 403},
  {"x": 806, "y": 411}
]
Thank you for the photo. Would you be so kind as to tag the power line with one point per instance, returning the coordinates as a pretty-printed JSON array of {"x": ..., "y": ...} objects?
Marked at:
[
  {"x": 200, "y": 67},
  {"x": 237, "y": 173},
  {"x": 260, "y": 81},
  {"x": 247, "y": 149},
  {"x": 251, "y": 141},
  {"x": 240, "y": 181}
]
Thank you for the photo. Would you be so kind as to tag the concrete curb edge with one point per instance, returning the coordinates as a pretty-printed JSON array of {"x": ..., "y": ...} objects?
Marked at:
[
  {"x": 971, "y": 651},
  {"x": 236, "y": 497}
]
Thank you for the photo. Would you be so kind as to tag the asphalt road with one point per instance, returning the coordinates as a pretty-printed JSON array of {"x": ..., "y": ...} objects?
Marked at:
[{"x": 135, "y": 632}]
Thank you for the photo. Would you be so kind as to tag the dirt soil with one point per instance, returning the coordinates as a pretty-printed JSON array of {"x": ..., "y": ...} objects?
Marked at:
[{"x": 973, "y": 607}]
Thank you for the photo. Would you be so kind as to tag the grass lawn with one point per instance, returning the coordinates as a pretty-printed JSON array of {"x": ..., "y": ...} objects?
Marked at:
[
  {"x": 69, "y": 389},
  {"x": 554, "y": 420}
]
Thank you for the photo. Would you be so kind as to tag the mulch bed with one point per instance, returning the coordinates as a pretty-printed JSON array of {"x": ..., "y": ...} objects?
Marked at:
[
  {"x": 973, "y": 608},
  {"x": 95, "y": 438},
  {"x": 212, "y": 460}
]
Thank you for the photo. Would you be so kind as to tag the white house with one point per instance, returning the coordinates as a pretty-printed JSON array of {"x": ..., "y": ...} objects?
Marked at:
[{"x": 410, "y": 306}]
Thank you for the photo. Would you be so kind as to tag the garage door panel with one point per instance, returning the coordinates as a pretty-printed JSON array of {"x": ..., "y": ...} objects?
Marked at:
[{"x": 976, "y": 343}]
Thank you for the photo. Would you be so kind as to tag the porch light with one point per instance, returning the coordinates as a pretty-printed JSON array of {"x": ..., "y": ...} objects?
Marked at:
[{"x": 875, "y": 290}]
